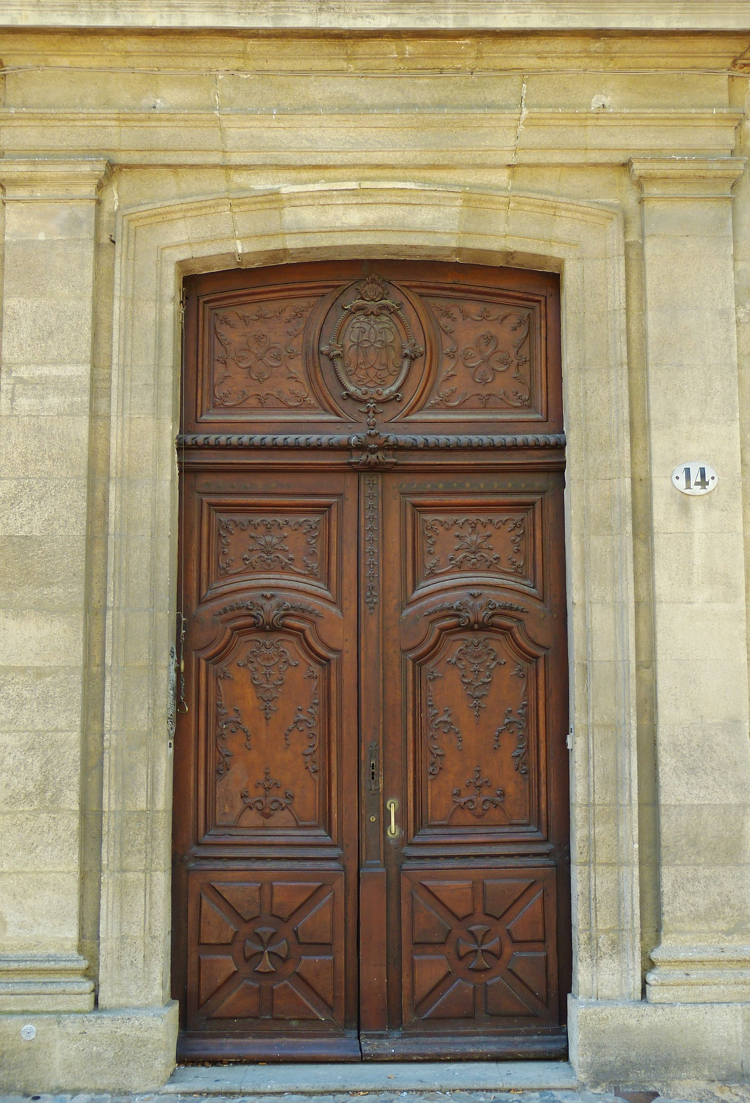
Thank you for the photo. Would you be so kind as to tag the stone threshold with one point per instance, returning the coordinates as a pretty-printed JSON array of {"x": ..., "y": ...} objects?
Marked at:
[{"x": 385, "y": 1076}]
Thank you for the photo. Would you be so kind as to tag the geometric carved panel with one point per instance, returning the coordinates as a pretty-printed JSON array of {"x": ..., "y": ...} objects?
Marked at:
[
  {"x": 479, "y": 944},
  {"x": 266, "y": 946}
]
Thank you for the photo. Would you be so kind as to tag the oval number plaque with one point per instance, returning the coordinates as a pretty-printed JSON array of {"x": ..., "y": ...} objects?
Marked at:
[{"x": 694, "y": 477}]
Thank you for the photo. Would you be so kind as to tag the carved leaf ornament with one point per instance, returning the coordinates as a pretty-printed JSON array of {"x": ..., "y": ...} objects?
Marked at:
[
  {"x": 475, "y": 659},
  {"x": 474, "y": 613},
  {"x": 440, "y": 724},
  {"x": 478, "y": 802},
  {"x": 267, "y": 661},
  {"x": 267, "y": 804}
]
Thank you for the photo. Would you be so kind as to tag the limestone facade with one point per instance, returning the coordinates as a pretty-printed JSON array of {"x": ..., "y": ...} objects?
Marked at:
[{"x": 146, "y": 141}]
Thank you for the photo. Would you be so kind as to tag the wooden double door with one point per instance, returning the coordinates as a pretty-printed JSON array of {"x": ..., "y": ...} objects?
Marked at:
[{"x": 370, "y": 807}]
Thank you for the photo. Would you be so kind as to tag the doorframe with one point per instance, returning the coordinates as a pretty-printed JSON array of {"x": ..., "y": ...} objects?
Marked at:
[{"x": 157, "y": 245}]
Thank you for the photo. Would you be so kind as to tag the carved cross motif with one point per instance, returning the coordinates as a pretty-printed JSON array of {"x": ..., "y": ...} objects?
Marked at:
[
  {"x": 488, "y": 353},
  {"x": 481, "y": 944},
  {"x": 263, "y": 947},
  {"x": 253, "y": 354}
]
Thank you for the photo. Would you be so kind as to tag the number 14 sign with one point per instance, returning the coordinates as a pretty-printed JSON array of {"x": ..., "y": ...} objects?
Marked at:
[{"x": 694, "y": 477}]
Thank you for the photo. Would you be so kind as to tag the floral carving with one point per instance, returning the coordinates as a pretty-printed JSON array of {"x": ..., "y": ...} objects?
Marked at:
[
  {"x": 438, "y": 725},
  {"x": 477, "y": 802},
  {"x": 372, "y": 347},
  {"x": 267, "y": 662},
  {"x": 268, "y": 805},
  {"x": 516, "y": 726},
  {"x": 254, "y": 350},
  {"x": 267, "y": 544},
  {"x": 471, "y": 612},
  {"x": 485, "y": 358},
  {"x": 226, "y": 724},
  {"x": 474, "y": 548},
  {"x": 271, "y": 611},
  {"x": 487, "y": 354},
  {"x": 475, "y": 659},
  {"x": 306, "y": 721}
]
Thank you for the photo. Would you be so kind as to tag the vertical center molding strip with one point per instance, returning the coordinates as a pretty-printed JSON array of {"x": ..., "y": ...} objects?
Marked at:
[
  {"x": 372, "y": 875},
  {"x": 372, "y": 541}
]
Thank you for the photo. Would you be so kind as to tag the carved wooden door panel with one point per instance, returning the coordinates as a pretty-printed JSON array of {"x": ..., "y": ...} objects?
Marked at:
[
  {"x": 474, "y": 860},
  {"x": 370, "y": 821},
  {"x": 267, "y": 934}
]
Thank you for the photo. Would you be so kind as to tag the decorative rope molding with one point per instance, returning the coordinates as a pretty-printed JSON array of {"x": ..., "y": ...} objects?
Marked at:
[{"x": 357, "y": 441}]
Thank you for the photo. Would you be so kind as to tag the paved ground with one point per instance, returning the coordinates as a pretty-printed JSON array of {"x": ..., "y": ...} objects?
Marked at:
[
  {"x": 342, "y": 1097},
  {"x": 514, "y": 1096},
  {"x": 413, "y": 1082}
]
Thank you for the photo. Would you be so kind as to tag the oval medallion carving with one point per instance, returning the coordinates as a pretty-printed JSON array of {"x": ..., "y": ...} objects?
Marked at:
[{"x": 372, "y": 346}]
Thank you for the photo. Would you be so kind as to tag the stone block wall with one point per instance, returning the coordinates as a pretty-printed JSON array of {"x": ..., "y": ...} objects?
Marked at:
[{"x": 132, "y": 157}]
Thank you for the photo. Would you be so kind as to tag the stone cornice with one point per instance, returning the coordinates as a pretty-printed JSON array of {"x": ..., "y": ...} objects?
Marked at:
[
  {"x": 379, "y": 15},
  {"x": 45, "y": 179},
  {"x": 416, "y": 137},
  {"x": 687, "y": 177}
]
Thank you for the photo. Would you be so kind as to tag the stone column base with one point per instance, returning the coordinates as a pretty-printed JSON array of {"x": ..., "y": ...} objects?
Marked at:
[
  {"x": 699, "y": 974},
  {"x": 650, "y": 1045},
  {"x": 128, "y": 1049},
  {"x": 45, "y": 982}
]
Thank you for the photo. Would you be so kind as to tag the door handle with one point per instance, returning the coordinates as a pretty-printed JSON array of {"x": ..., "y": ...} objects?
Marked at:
[{"x": 392, "y": 806}]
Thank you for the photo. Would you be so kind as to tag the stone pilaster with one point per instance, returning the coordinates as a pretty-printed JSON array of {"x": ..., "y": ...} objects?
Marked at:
[
  {"x": 45, "y": 380},
  {"x": 703, "y": 754}
]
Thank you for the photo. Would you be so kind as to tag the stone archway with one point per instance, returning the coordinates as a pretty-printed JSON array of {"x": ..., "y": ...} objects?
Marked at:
[{"x": 157, "y": 245}]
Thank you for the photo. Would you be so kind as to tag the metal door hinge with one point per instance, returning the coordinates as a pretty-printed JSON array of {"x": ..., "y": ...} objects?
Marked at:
[{"x": 172, "y": 697}]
